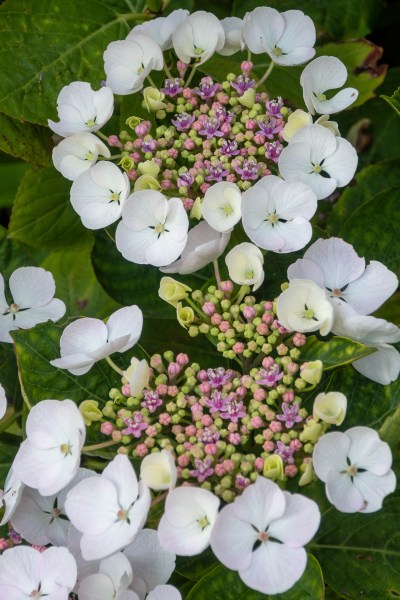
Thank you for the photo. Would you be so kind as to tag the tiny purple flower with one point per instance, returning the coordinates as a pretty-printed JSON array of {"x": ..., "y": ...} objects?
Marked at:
[
  {"x": 270, "y": 376},
  {"x": 152, "y": 401},
  {"x": 216, "y": 402},
  {"x": 185, "y": 179},
  {"x": 135, "y": 425},
  {"x": 249, "y": 170},
  {"x": 203, "y": 469},
  {"x": 14, "y": 536},
  {"x": 290, "y": 414},
  {"x": 229, "y": 148},
  {"x": 149, "y": 145},
  {"x": 211, "y": 127},
  {"x": 285, "y": 452},
  {"x": 219, "y": 377},
  {"x": 221, "y": 114},
  {"x": 232, "y": 409},
  {"x": 270, "y": 127},
  {"x": 217, "y": 171},
  {"x": 183, "y": 121},
  {"x": 273, "y": 150},
  {"x": 172, "y": 87},
  {"x": 207, "y": 88},
  {"x": 274, "y": 107},
  {"x": 209, "y": 436},
  {"x": 241, "y": 482},
  {"x": 242, "y": 84}
]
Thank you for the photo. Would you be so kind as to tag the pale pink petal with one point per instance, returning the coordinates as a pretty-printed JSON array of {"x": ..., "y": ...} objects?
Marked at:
[
  {"x": 342, "y": 493},
  {"x": 330, "y": 454},
  {"x": 374, "y": 489},
  {"x": 59, "y": 569},
  {"x": 31, "y": 287},
  {"x": 299, "y": 523},
  {"x": 92, "y": 505},
  {"x": 367, "y": 451},
  {"x": 232, "y": 539},
  {"x": 154, "y": 564}
]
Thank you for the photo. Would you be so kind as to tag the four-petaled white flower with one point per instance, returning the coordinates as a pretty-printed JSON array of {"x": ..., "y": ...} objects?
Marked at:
[
  {"x": 288, "y": 37},
  {"x": 355, "y": 467},
  {"x": 112, "y": 581},
  {"x": 153, "y": 229},
  {"x": 27, "y": 573},
  {"x": 304, "y": 307},
  {"x": 87, "y": 340},
  {"x": 98, "y": 195},
  {"x": 158, "y": 470},
  {"x": 49, "y": 457},
  {"x": 322, "y": 74},
  {"x": 221, "y": 206},
  {"x": 188, "y": 519},
  {"x": 335, "y": 265},
  {"x": 276, "y": 214},
  {"x": 108, "y": 509},
  {"x": 383, "y": 366},
  {"x": 77, "y": 153},
  {"x": 162, "y": 28},
  {"x": 42, "y": 520},
  {"x": 330, "y": 408},
  {"x": 128, "y": 62},
  {"x": 32, "y": 290},
  {"x": 233, "y": 27},
  {"x": 318, "y": 158},
  {"x": 262, "y": 533},
  {"x": 245, "y": 265},
  {"x": 199, "y": 36},
  {"x": 204, "y": 244},
  {"x": 3, "y": 402},
  {"x": 82, "y": 109}
]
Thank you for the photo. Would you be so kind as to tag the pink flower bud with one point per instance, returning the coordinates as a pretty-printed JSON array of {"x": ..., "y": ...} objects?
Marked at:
[
  {"x": 151, "y": 431},
  {"x": 138, "y": 143},
  {"x": 259, "y": 395},
  {"x": 241, "y": 391},
  {"x": 292, "y": 368},
  {"x": 299, "y": 339},
  {"x": 226, "y": 128},
  {"x": 197, "y": 126},
  {"x": 164, "y": 419},
  {"x": 173, "y": 153},
  {"x": 234, "y": 439},
  {"x": 182, "y": 359},
  {"x": 116, "y": 435},
  {"x": 202, "y": 375},
  {"x": 275, "y": 426},
  {"x": 251, "y": 124},
  {"x": 132, "y": 174},
  {"x": 208, "y": 308},
  {"x": 206, "y": 420},
  {"x": 141, "y": 130},
  {"x": 291, "y": 470},
  {"x": 210, "y": 449},
  {"x": 267, "y": 362},
  {"x": 190, "y": 430},
  {"x": 142, "y": 450},
  {"x": 296, "y": 444},
  {"x": 231, "y": 178},
  {"x": 188, "y": 203},
  {"x": 223, "y": 98},
  {"x": 216, "y": 319},
  {"x": 107, "y": 428},
  {"x": 166, "y": 184},
  {"x": 262, "y": 329},
  {"x": 259, "y": 463},
  {"x": 39, "y": 548},
  {"x": 268, "y": 446},
  {"x": 256, "y": 422},
  {"x": 238, "y": 348},
  {"x": 288, "y": 396},
  {"x": 172, "y": 391},
  {"x": 187, "y": 445},
  {"x": 228, "y": 465},
  {"x": 187, "y": 93},
  {"x": 189, "y": 144},
  {"x": 249, "y": 313},
  {"x": 173, "y": 370},
  {"x": 267, "y": 434},
  {"x": 224, "y": 326},
  {"x": 3, "y": 544},
  {"x": 267, "y": 319},
  {"x": 204, "y": 187},
  {"x": 259, "y": 139},
  {"x": 113, "y": 140},
  {"x": 219, "y": 470},
  {"x": 192, "y": 101},
  {"x": 246, "y": 66},
  {"x": 126, "y": 390},
  {"x": 183, "y": 460},
  {"x": 182, "y": 67},
  {"x": 204, "y": 388},
  {"x": 268, "y": 305}
]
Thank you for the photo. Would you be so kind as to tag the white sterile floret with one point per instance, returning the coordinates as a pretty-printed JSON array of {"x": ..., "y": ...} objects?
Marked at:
[
  {"x": 158, "y": 470},
  {"x": 27, "y": 573},
  {"x": 138, "y": 376},
  {"x": 11, "y": 496},
  {"x": 262, "y": 533},
  {"x": 111, "y": 582},
  {"x": 164, "y": 592},
  {"x": 33, "y": 302},
  {"x": 78, "y": 153},
  {"x": 42, "y": 520},
  {"x": 355, "y": 466},
  {"x": 108, "y": 509},
  {"x": 335, "y": 265},
  {"x": 87, "y": 340},
  {"x": 276, "y": 214},
  {"x": 319, "y": 159},
  {"x": 287, "y": 37},
  {"x": 128, "y": 62},
  {"x": 153, "y": 230},
  {"x": 383, "y": 366},
  {"x": 330, "y": 408},
  {"x": 162, "y": 28},
  {"x": 82, "y": 109},
  {"x": 48, "y": 459},
  {"x": 198, "y": 37},
  {"x": 221, "y": 206},
  {"x": 149, "y": 560},
  {"x": 204, "y": 245},
  {"x": 3, "y": 402},
  {"x": 188, "y": 519},
  {"x": 245, "y": 265},
  {"x": 233, "y": 27},
  {"x": 98, "y": 195},
  {"x": 296, "y": 120},
  {"x": 322, "y": 74},
  {"x": 304, "y": 307}
]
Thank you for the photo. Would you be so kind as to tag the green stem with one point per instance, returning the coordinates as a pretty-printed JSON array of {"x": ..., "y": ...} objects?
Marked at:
[
  {"x": 249, "y": 55},
  {"x": 143, "y": 350},
  {"x": 217, "y": 273},
  {"x": 149, "y": 79},
  {"x": 9, "y": 421},
  {"x": 114, "y": 366},
  {"x": 243, "y": 291},
  {"x": 195, "y": 308},
  {"x": 191, "y": 76},
  {"x": 167, "y": 71},
  {"x": 130, "y": 5},
  {"x": 159, "y": 498},
  {"x": 266, "y": 74},
  {"x": 102, "y": 136},
  {"x": 99, "y": 446},
  {"x": 115, "y": 157},
  {"x": 23, "y": 393},
  {"x": 109, "y": 235}
]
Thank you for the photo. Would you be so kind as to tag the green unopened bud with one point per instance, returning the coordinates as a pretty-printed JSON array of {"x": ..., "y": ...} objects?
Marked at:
[
  {"x": 90, "y": 412},
  {"x": 248, "y": 98},
  {"x": 146, "y": 182},
  {"x": 132, "y": 122},
  {"x": 127, "y": 163},
  {"x": 273, "y": 467}
]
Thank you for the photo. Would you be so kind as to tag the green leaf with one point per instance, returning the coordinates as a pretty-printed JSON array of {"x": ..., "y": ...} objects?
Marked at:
[
  {"x": 42, "y": 215},
  {"x": 389, "y": 431},
  {"x": 221, "y": 581},
  {"x": 35, "y": 348},
  {"x": 393, "y": 100},
  {"x": 341, "y": 19},
  {"x": 77, "y": 285},
  {"x": 373, "y": 230},
  {"x": 336, "y": 352},
  {"x": 46, "y": 45},
  {"x": 195, "y": 567},
  {"x": 9, "y": 374},
  {"x": 10, "y": 175},
  {"x": 13, "y": 255},
  {"x": 32, "y": 143},
  {"x": 9, "y": 445},
  {"x": 370, "y": 181},
  {"x": 359, "y": 553}
]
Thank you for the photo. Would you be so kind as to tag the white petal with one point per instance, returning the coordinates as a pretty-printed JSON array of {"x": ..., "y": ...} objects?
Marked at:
[
  {"x": 221, "y": 206},
  {"x": 264, "y": 500},
  {"x": 13, "y": 489},
  {"x": 298, "y": 524},
  {"x": 339, "y": 102},
  {"x": 382, "y": 366},
  {"x": 32, "y": 287},
  {"x": 275, "y": 568},
  {"x": 154, "y": 564},
  {"x": 59, "y": 570},
  {"x": 330, "y": 454},
  {"x": 7, "y": 324},
  {"x": 164, "y": 592},
  {"x": 3, "y": 402},
  {"x": 233, "y": 36},
  {"x": 306, "y": 269},
  {"x": 369, "y": 291},
  {"x": 133, "y": 244},
  {"x": 32, "y": 517},
  {"x": 343, "y": 163},
  {"x": 83, "y": 336},
  {"x": 125, "y": 321},
  {"x": 161, "y": 28},
  {"x": 92, "y": 505},
  {"x": 21, "y": 565},
  {"x": 117, "y": 567},
  {"x": 53, "y": 311},
  {"x": 342, "y": 493},
  {"x": 96, "y": 587},
  {"x": 262, "y": 28},
  {"x": 374, "y": 489},
  {"x": 185, "y": 540},
  {"x": 122, "y": 475},
  {"x": 367, "y": 451},
  {"x": 232, "y": 539}
]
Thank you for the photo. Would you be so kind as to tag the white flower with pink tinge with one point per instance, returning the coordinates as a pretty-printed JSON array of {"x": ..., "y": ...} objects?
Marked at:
[
  {"x": 33, "y": 290},
  {"x": 198, "y": 36},
  {"x": 304, "y": 307},
  {"x": 262, "y": 533},
  {"x": 108, "y": 509},
  {"x": 82, "y": 109},
  {"x": 27, "y": 573},
  {"x": 87, "y": 340},
  {"x": 355, "y": 467}
]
